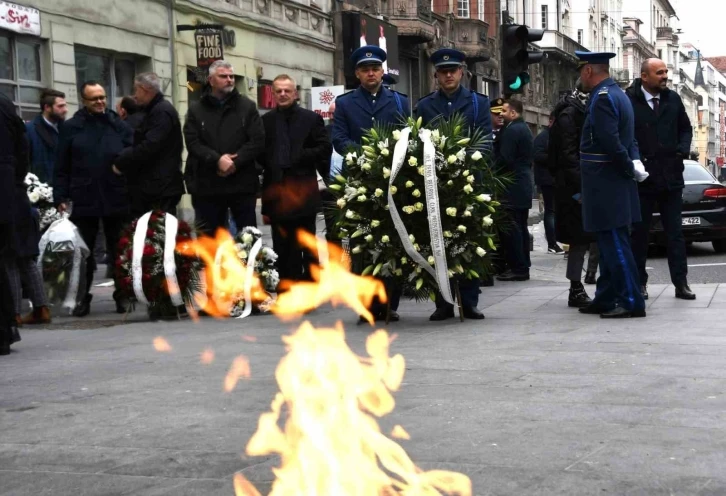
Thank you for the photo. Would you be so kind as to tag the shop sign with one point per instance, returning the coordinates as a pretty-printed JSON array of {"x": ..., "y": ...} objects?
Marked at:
[
  {"x": 323, "y": 96},
  {"x": 209, "y": 47},
  {"x": 18, "y": 18}
]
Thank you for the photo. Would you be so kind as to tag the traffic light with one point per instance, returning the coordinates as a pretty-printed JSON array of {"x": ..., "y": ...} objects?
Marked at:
[{"x": 515, "y": 56}]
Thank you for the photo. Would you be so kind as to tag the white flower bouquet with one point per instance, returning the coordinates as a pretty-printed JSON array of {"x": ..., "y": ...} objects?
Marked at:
[
  {"x": 246, "y": 243},
  {"x": 41, "y": 197}
]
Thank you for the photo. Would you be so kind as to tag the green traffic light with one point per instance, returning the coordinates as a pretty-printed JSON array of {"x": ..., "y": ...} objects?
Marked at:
[{"x": 516, "y": 84}]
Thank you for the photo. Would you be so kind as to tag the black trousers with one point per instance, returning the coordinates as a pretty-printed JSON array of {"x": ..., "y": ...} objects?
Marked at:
[
  {"x": 7, "y": 313},
  {"x": 293, "y": 261},
  {"x": 548, "y": 196},
  {"x": 670, "y": 206},
  {"x": 211, "y": 211},
  {"x": 88, "y": 229},
  {"x": 515, "y": 241}
]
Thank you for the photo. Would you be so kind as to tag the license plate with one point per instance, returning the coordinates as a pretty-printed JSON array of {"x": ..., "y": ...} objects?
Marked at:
[{"x": 691, "y": 221}]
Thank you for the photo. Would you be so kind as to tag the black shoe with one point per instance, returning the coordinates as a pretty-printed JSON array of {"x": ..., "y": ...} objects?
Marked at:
[
  {"x": 644, "y": 291},
  {"x": 442, "y": 313},
  {"x": 122, "y": 306},
  {"x": 512, "y": 276},
  {"x": 578, "y": 298},
  {"x": 83, "y": 308},
  {"x": 473, "y": 313},
  {"x": 592, "y": 309},
  {"x": 683, "y": 291},
  {"x": 4, "y": 349},
  {"x": 555, "y": 249},
  {"x": 14, "y": 335},
  {"x": 590, "y": 277},
  {"x": 621, "y": 313}
]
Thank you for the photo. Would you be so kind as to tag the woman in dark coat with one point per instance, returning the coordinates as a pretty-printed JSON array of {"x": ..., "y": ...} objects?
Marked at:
[
  {"x": 23, "y": 271},
  {"x": 564, "y": 162}
]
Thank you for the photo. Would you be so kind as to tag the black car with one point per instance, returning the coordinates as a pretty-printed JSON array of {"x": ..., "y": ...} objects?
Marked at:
[{"x": 704, "y": 209}]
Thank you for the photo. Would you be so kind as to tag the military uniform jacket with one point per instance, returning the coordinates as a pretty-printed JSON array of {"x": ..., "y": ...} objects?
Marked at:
[
  {"x": 358, "y": 111},
  {"x": 607, "y": 150},
  {"x": 473, "y": 106}
]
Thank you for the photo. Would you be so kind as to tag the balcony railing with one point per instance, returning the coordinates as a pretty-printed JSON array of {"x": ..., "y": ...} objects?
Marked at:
[
  {"x": 554, "y": 41},
  {"x": 664, "y": 33},
  {"x": 413, "y": 18}
]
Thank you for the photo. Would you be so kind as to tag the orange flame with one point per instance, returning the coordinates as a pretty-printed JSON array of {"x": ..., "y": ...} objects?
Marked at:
[
  {"x": 207, "y": 356},
  {"x": 331, "y": 443},
  {"x": 243, "y": 487},
  {"x": 161, "y": 344},
  {"x": 399, "y": 432},
  {"x": 327, "y": 286},
  {"x": 240, "y": 369},
  {"x": 249, "y": 339},
  {"x": 225, "y": 273}
]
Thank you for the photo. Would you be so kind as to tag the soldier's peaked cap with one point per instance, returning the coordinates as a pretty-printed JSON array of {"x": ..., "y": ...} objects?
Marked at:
[
  {"x": 444, "y": 57},
  {"x": 368, "y": 55},
  {"x": 598, "y": 58}
]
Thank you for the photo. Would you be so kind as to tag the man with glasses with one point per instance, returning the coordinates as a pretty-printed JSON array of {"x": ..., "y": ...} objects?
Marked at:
[
  {"x": 153, "y": 165},
  {"x": 224, "y": 136},
  {"x": 89, "y": 145}
]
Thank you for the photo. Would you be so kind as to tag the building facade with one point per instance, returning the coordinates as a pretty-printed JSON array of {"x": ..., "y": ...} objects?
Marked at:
[{"x": 62, "y": 43}]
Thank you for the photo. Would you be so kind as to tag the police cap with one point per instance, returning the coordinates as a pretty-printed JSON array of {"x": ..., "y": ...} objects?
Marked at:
[
  {"x": 597, "y": 58},
  {"x": 447, "y": 57},
  {"x": 368, "y": 55}
]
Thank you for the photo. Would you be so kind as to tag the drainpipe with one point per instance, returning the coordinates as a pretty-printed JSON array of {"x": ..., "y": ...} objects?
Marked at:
[{"x": 172, "y": 53}]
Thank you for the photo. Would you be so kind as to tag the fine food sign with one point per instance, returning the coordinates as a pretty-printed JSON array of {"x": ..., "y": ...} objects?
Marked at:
[{"x": 209, "y": 47}]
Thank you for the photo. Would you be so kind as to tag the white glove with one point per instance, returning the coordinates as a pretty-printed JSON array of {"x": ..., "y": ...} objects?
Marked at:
[{"x": 640, "y": 173}]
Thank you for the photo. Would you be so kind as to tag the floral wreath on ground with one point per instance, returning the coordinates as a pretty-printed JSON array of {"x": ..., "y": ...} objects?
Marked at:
[
  {"x": 246, "y": 242},
  {"x": 41, "y": 197},
  {"x": 154, "y": 280},
  {"x": 466, "y": 212}
]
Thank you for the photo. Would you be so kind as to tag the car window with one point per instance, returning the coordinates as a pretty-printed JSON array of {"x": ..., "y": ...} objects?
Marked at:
[{"x": 693, "y": 171}]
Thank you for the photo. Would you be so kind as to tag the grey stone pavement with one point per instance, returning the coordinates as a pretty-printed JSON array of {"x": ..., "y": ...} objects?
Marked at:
[{"x": 536, "y": 399}]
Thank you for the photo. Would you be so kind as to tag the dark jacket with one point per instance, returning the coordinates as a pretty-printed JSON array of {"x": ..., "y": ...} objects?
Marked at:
[
  {"x": 13, "y": 151},
  {"x": 134, "y": 120},
  {"x": 664, "y": 140},
  {"x": 43, "y": 141},
  {"x": 292, "y": 192},
  {"x": 214, "y": 128},
  {"x": 153, "y": 165},
  {"x": 515, "y": 157},
  {"x": 564, "y": 162},
  {"x": 542, "y": 176},
  {"x": 88, "y": 148}
]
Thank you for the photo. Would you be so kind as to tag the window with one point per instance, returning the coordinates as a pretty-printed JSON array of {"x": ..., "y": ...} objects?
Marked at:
[
  {"x": 580, "y": 34},
  {"x": 660, "y": 53},
  {"x": 480, "y": 7},
  {"x": 462, "y": 9},
  {"x": 116, "y": 74},
  {"x": 544, "y": 17},
  {"x": 20, "y": 74}
]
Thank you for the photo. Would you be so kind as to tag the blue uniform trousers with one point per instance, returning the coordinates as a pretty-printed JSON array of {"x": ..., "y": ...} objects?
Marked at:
[
  {"x": 618, "y": 283},
  {"x": 469, "y": 289}
]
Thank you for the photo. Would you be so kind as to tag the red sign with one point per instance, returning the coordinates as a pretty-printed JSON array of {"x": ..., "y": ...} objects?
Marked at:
[{"x": 265, "y": 97}]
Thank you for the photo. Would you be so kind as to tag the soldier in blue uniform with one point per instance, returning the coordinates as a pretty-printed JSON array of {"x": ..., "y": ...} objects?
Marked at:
[
  {"x": 356, "y": 112},
  {"x": 370, "y": 104},
  {"x": 452, "y": 98},
  {"x": 610, "y": 204}
]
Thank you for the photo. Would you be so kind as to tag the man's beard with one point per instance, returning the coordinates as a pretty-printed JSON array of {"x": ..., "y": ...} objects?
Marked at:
[{"x": 53, "y": 117}]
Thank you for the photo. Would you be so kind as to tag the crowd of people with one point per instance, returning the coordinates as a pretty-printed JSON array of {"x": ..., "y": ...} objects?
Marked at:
[{"x": 108, "y": 167}]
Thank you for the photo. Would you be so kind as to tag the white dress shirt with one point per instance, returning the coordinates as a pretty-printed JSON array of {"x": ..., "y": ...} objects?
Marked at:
[{"x": 649, "y": 98}]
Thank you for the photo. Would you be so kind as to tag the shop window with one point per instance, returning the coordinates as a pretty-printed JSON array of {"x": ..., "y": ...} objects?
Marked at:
[
  {"x": 114, "y": 72},
  {"x": 20, "y": 73}
]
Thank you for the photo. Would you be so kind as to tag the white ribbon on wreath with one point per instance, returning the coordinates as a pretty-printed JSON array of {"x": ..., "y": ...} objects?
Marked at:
[
  {"x": 222, "y": 250},
  {"x": 171, "y": 225},
  {"x": 441, "y": 273}
]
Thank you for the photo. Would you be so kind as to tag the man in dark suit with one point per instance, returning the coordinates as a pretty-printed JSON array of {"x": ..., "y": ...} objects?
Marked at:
[
  {"x": 297, "y": 147},
  {"x": 153, "y": 165},
  {"x": 664, "y": 134},
  {"x": 515, "y": 157}
]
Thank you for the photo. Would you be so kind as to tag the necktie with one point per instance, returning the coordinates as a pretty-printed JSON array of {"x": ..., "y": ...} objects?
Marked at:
[{"x": 656, "y": 104}]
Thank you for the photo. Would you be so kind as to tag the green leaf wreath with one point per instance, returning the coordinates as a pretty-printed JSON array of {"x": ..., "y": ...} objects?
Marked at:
[{"x": 467, "y": 183}]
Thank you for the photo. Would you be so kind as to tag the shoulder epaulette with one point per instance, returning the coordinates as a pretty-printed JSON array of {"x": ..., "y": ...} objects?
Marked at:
[
  {"x": 482, "y": 94},
  {"x": 603, "y": 91},
  {"x": 427, "y": 96},
  {"x": 348, "y": 93}
]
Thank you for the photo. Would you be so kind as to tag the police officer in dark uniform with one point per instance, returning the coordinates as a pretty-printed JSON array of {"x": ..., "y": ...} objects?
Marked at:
[
  {"x": 370, "y": 104},
  {"x": 497, "y": 123},
  {"x": 451, "y": 98},
  {"x": 357, "y": 111},
  {"x": 610, "y": 163},
  {"x": 388, "y": 81}
]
